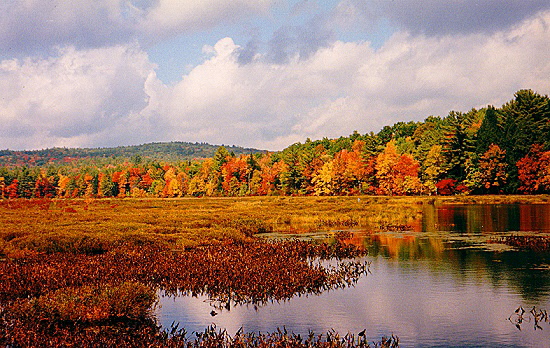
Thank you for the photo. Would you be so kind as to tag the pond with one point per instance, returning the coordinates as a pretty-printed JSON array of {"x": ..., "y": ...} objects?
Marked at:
[{"x": 442, "y": 283}]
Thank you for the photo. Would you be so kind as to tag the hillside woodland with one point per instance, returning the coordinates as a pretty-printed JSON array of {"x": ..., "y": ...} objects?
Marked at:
[{"x": 488, "y": 151}]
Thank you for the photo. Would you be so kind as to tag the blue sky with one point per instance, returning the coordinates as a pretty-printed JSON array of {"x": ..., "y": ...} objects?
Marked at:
[
  {"x": 257, "y": 73},
  {"x": 177, "y": 55}
]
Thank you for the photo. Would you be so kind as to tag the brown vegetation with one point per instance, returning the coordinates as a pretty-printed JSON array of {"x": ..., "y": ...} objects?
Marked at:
[
  {"x": 534, "y": 243},
  {"x": 88, "y": 272},
  {"x": 89, "y": 292},
  {"x": 96, "y": 226}
]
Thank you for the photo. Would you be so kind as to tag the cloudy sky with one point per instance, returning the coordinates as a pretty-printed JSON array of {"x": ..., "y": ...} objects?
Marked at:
[{"x": 256, "y": 73}]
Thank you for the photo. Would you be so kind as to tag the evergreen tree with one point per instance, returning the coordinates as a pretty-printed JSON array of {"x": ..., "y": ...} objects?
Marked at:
[
  {"x": 490, "y": 131},
  {"x": 527, "y": 122},
  {"x": 459, "y": 142}
]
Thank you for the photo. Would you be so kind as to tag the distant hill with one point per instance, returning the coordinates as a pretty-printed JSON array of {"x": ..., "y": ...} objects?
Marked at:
[{"x": 162, "y": 151}]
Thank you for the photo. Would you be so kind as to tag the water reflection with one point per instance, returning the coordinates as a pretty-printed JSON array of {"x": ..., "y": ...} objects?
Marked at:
[
  {"x": 428, "y": 286},
  {"x": 482, "y": 218}
]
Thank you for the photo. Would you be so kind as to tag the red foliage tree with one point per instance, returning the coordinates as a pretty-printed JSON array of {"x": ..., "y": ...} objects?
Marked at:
[
  {"x": 11, "y": 189},
  {"x": 534, "y": 171},
  {"x": 446, "y": 187}
]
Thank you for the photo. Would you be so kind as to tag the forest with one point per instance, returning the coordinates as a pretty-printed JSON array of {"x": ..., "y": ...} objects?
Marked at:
[
  {"x": 168, "y": 151},
  {"x": 492, "y": 150}
]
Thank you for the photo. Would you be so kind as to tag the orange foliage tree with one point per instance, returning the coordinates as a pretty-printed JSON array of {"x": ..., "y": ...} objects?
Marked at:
[
  {"x": 397, "y": 174},
  {"x": 493, "y": 174},
  {"x": 11, "y": 189},
  {"x": 235, "y": 173}
]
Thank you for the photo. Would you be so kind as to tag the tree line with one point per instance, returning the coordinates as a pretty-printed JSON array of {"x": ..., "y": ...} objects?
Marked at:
[{"x": 488, "y": 151}]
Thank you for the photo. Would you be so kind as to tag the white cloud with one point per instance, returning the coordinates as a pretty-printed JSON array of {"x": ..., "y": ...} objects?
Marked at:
[
  {"x": 349, "y": 86},
  {"x": 111, "y": 96},
  {"x": 176, "y": 16},
  {"x": 63, "y": 100}
]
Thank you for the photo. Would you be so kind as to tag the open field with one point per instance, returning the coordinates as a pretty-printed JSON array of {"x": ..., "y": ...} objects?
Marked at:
[{"x": 88, "y": 270}]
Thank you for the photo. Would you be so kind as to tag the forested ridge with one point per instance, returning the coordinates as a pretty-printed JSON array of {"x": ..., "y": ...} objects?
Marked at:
[
  {"x": 164, "y": 151},
  {"x": 487, "y": 151}
]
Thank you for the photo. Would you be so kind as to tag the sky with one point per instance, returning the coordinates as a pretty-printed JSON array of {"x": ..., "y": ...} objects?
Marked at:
[{"x": 256, "y": 73}]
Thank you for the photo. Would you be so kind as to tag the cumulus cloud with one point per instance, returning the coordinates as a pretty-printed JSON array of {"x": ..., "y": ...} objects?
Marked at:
[
  {"x": 111, "y": 96},
  {"x": 351, "y": 86},
  {"x": 77, "y": 94}
]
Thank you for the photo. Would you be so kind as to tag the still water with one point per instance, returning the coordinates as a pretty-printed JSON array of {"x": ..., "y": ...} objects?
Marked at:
[{"x": 439, "y": 285}]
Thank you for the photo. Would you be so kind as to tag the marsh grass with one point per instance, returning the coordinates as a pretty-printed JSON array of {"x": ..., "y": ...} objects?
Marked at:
[
  {"x": 42, "y": 296},
  {"x": 93, "y": 226},
  {"x": 128, "y": 300}
]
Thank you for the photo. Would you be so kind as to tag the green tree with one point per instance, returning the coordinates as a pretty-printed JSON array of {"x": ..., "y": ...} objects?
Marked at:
[
  {"x": 490, "y": 131},
  {"x": 292, "y": 178},
  {"x": 459, "y": 142},
  {"x": 220, "y": 157},
  {"x": 398, "y": 130},
  {"x": 426, "y": 135},
  {"x": 526, "y": 122}
]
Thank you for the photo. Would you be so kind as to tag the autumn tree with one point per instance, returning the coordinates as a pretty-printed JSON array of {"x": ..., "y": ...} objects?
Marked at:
[
  {"x": 235, "y": 176},
  {"x": 120, "y": 178},
  {"x": 314, "y": 158},
  {"x": 206, "y": 181},
  {"x": 12, "y": 189},
  {"x": 491, "y": 173},
  {"x": 397, "y": 174},
  {"x": 2, "y": 187},
  {"x": 323, "y": 180},
  {"x": 44, "y": 185},
  {"x": 271, "y": 176},
  {"x": 172, "y": 185},
  {"x": 433, "y": 167},
  {"x": 350, "y": 170},
  {"x": 534, "y": 171}
]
